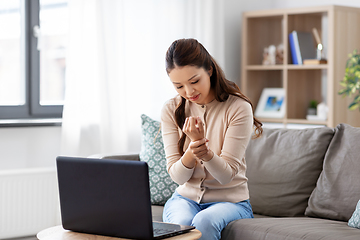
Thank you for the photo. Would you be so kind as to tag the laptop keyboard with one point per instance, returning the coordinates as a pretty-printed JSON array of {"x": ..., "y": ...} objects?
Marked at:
[
  {"x": 164, "y": 230},
  {"x": 160, "y": 231}
]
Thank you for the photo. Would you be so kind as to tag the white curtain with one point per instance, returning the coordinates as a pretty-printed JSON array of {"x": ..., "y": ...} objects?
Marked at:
[{"x": 116, "y": 66}]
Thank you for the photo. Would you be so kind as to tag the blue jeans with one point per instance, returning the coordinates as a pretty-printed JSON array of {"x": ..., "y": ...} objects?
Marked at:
[{"x": 209, "y": 218}]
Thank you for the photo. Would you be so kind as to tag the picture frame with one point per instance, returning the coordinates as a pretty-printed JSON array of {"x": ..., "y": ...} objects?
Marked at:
[{"x": 271, "y": 104}]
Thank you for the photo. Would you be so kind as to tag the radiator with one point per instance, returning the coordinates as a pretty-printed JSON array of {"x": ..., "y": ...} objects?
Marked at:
[{"x": 29, "y": 201}]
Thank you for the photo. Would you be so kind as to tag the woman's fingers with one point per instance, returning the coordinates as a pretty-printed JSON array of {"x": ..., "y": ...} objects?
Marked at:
[
  {"x": 201, "y": 153},
  {"x": 194, "y": 128},
  {"x": 199, "y": 143},
  {"x": 200, "y": 124},
  {"x": 186, "y": 123},
  {"x": 199, "y": 148},
  {"x": 192, "y": 124}
]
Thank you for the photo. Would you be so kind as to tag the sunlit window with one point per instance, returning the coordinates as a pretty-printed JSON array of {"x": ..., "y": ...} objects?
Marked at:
[
  {"x": 52, "y": 45},
  {"x": 33, "y": 42},
  {"x": 12, "y": 82}
]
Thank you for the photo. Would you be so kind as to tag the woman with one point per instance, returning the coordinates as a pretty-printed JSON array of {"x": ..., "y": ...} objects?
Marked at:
[{"x": 206, "y": 129}]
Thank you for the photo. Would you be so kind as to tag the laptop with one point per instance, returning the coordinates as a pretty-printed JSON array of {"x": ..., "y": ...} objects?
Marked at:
[{"x": 109, "y": 197}]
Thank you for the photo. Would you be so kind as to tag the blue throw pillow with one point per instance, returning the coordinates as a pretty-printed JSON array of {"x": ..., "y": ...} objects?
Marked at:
[
  {"x": 355, "y": 219},
  {"x": 152, "y": 152}
]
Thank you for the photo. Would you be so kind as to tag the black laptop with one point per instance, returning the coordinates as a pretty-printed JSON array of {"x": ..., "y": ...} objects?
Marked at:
[{"x": 109, "y": 197}]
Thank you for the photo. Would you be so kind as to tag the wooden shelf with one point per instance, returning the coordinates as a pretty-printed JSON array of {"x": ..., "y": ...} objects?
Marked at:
[
  {"x": 295, "y": 121},
  {"x": 265, "y": 67},
  {"x": 302, "y": 83},
  {"x": 284, "y": 67},
  {"x": 272, "y": 120},
  {"x": 304, "y": 121},
  {"x": 301, "y": 67}
]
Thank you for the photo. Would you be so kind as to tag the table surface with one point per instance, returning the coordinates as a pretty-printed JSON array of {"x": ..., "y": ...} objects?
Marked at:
[{"x": 59, "y": 233}]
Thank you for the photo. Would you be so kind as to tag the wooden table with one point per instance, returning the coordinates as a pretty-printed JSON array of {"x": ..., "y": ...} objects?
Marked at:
[{"x": 59, "y": 233}]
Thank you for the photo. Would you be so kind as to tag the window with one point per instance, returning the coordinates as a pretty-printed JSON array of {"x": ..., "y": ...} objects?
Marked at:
[{"x": 33, "y": 41}]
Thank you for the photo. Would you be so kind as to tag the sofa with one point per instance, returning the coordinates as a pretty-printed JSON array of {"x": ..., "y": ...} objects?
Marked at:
[{"x": 303, "y": 184}]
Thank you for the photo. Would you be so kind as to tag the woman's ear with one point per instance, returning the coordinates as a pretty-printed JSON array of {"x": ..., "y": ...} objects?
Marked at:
[{"x": 210, "y": 71}]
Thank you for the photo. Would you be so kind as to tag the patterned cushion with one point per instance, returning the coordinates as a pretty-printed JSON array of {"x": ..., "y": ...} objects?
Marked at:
[
  {"x": 152, "y": 152},
  {"x": 355, "y": 219}
]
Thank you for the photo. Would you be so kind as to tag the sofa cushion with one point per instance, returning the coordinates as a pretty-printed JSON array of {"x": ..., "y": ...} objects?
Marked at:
[
  {"x": 297, "y": 228},
  {"x": 152, "y": 152},
  {"x": 157, "y": 212},
  {"x": 283, "y": 167},
  {"x": 338, "y": 187}
]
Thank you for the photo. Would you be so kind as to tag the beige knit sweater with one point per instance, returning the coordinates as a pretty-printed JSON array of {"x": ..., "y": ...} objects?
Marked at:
[{"x": 228, "y": 126}]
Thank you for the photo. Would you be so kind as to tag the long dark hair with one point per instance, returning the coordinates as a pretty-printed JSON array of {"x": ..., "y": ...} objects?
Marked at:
[{"x": 184, "y": 52}]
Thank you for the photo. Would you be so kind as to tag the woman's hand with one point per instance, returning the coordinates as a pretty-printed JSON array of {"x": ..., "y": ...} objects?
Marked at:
[
  {"x": 194, "y": 128},
  {"x": 201, "y": 150}
]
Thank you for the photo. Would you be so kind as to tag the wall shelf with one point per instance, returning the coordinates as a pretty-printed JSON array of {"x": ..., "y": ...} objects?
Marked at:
[{"x": 302, "y": 83}]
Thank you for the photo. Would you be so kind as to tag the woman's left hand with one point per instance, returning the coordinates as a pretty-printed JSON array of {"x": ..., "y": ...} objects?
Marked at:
[{"x": 200, "y": 149}]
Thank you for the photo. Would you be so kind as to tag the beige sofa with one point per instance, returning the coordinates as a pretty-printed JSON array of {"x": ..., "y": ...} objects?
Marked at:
[{"x": 304, "y": 184}]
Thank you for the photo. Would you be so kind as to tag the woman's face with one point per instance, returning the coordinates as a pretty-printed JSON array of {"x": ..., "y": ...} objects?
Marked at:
[{"x": 193, "y": 84}]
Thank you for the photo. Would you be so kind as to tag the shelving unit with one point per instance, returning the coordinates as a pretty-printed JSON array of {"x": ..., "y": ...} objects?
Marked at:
[{"x": 339, "y": 29}]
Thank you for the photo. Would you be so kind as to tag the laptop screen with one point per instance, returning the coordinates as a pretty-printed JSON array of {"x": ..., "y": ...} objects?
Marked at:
[{"x": 105, "y": 197}]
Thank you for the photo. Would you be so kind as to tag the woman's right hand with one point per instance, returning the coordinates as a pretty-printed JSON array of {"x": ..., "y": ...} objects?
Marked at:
[{"x": 194, "y": 128}]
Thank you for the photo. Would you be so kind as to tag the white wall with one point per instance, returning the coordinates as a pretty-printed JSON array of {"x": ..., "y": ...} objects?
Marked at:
[{"x": 29, "y": 147}]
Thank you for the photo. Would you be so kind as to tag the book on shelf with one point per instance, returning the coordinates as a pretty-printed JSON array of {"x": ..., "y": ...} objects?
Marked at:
[
  {"x": 302, "y": 46},
  {"x": 315, "y": 61},
  {"x": 294, "y": 48}
]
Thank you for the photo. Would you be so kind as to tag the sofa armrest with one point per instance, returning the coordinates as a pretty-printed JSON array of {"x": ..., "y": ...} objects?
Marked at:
[{"x": 120, "y": 156}]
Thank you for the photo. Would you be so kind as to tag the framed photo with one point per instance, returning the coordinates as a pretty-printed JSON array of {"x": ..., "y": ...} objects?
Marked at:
[{"x": 271, "y": 103}]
